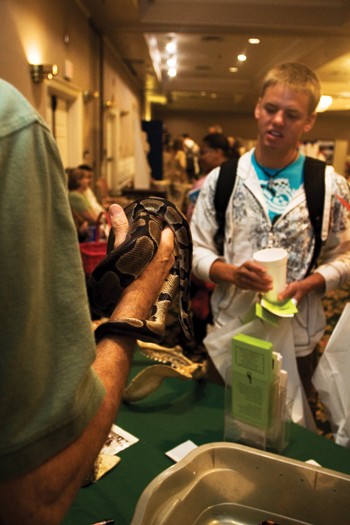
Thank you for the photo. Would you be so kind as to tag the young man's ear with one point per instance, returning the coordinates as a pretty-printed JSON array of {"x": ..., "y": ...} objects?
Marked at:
[
  {"x": 257, "y": 109},
  {"x": 310, "y": 122}
]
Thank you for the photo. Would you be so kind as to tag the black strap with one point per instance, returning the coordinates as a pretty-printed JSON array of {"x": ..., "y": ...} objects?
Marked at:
[
  {"x": 224, "y": 187},
  {"x": 314, "y": 185}
]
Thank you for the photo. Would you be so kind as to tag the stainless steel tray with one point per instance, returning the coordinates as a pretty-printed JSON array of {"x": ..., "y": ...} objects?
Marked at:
[{"x": 230, "y": 484}]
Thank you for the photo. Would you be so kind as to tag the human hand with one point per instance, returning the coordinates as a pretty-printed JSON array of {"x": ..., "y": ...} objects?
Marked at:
[
  {"x": 83, "y": 228},
  {"x": 298, "y": 289},
  {"x": 138, "y": 298},
  {"x": 252, "y": 276}
]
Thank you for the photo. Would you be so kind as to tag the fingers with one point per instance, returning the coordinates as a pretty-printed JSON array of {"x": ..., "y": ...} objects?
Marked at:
[
  {"x": 252, "y": 276},
  {"x": 138, "y": 298},
  {"x": 294, "y": 290},
  {"x": 119, "y": 224}
]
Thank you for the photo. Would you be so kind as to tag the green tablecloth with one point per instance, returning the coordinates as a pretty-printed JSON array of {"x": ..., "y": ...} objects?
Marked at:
[{"x": 177, "y": 411}]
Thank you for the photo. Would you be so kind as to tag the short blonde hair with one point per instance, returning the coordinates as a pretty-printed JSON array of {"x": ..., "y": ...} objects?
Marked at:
[{"x": 299, "y": 77}]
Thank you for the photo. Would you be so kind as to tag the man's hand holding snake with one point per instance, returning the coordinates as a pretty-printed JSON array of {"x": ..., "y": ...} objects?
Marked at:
[{"x": 137, "y": 299}]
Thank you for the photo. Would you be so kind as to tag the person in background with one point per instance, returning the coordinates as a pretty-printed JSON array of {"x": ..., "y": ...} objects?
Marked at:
[
  {"x": 59, "y": 391},
  {"x": 191, "y": 149},
  {"x": 236, "y": 147},
  {"x": 213, "y": 153},
  {"x": 179, "y": 161},
  {"x": 84, "y": 216},
  {"x": 78, "y": 183},
  {"x": 89, "y": 193},
  {"x": 215, "y": 128},
  {"x": 268, "y": 208}
]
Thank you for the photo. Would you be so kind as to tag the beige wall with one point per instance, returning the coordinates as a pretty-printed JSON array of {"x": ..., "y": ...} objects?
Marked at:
[{"x": 57, "y": 32}]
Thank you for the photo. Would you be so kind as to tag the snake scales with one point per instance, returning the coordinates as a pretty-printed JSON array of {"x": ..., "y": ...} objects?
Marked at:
[{"x": 147, "y": 218}]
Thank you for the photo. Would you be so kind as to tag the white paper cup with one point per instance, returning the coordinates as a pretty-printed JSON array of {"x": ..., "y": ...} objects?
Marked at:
[{"x": 275, "y": 262}]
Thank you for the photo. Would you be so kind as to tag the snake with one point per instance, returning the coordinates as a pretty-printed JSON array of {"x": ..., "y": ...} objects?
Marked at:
[{"x": 147, "y": 218}]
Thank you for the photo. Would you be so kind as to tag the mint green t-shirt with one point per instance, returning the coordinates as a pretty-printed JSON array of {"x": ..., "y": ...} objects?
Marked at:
[{"x": 48, "y": 390}]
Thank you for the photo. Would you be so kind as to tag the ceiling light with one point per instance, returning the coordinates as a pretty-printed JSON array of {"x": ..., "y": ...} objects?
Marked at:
[
  {"x": 254, "y": 40},
  {"x": 154, "y": 54},
  {"x": 233, "y": 69},
  {"x": 242, "y": 58},
  {"x": 171, "y": 62},
  {"x": 171, "y": 47},
  {"x": 324, "y": 103},
  {"x": 172, "y": 72},
  {"x": 203, "y": 93}
]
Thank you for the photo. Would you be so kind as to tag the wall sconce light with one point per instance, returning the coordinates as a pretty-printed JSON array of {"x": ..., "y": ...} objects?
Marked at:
[
  {"x": 88, "y": 96},
  {"x": 40, "y": 72},
  {"x": 109, "y": 104}
]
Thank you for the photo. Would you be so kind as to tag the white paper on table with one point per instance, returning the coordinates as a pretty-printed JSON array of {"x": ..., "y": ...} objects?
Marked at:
[
  {"x": 118, "y": 439},
  {"x": 179, "y": 452}
]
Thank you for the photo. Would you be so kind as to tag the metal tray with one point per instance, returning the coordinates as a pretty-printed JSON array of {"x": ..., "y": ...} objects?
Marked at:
[{"x": 230, "y": 484}]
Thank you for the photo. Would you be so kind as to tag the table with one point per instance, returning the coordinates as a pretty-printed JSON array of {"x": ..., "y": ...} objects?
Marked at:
[{"x": 179, "y": 410}]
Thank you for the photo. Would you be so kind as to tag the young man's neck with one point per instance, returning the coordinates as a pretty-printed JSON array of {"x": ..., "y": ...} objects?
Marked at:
[{"x": 275, "y": 159}]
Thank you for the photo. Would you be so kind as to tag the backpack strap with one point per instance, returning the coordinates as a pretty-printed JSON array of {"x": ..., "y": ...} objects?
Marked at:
[
  {"x": 314, "y": 185},
  {"x": 224, "y": 187}
]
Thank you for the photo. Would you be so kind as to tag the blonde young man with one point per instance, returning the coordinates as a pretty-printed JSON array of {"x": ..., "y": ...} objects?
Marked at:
[{"x": 268, "y": 208}]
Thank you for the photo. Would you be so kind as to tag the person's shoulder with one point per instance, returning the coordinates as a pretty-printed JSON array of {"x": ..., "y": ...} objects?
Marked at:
[
  {"x": 15, "y": 110},
  {"x": 339, "y": 182}
]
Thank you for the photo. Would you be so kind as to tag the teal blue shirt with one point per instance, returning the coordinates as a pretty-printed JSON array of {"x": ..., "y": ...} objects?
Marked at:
[{"x": 279, "y": 186}]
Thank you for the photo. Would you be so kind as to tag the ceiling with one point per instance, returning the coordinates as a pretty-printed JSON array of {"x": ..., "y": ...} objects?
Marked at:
[{"x": 210, "y": 34}]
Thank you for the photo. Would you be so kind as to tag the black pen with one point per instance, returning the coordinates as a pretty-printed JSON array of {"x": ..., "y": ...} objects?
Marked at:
[{"x": 104, "y": 522}]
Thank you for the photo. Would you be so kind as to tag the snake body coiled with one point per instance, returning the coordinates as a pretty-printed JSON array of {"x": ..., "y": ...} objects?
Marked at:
[{"x": 147, "y": 218}]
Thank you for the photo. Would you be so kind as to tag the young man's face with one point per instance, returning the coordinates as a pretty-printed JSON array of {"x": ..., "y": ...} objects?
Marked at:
[{"x": 283, "y": 116}]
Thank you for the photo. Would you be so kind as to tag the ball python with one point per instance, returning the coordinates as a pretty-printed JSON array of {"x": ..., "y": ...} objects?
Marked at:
[{"x": 147, "y": 217}]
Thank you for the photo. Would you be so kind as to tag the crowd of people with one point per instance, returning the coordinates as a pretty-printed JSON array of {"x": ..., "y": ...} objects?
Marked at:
[{"x": 61, "y": 391}]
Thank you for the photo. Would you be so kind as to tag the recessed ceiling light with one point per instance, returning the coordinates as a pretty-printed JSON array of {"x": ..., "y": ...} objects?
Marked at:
[
  {"x": 233, "y": 69},
  {"x": 242, "y": 58},
  {"x": 213, "y": 95},
  {"x": 171, "y": 62},
  {"x": 203, "y": 93},
  {"x": 324, "y": 103},
  {"x": 254, "y": 40},
  {"x": 171, "y": 47},
  {"x": 172, "y": 72}
]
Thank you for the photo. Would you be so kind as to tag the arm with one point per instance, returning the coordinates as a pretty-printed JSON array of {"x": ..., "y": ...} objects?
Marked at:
[{"x": 45, "y": 494}]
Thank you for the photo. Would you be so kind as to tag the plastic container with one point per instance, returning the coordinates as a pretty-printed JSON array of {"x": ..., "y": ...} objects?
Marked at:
[
  {"x": 274, "y": 438},
  {"x": 227, "y": 483}
]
